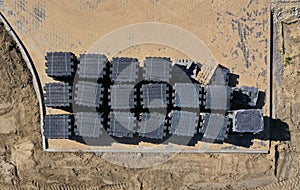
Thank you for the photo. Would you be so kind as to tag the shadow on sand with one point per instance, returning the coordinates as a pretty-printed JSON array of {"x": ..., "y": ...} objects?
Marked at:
[{"x": 275, "y": 130}]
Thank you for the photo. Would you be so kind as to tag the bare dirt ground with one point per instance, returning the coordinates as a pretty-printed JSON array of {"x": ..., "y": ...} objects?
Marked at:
[
  {"x": 236, "y": 34},
  {"x": 24, "y": 165}
]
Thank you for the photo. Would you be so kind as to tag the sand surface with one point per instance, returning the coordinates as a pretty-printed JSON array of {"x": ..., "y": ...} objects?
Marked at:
[
  {"x": 24, "y": 164},
  {"x": 232, "y": 34}
]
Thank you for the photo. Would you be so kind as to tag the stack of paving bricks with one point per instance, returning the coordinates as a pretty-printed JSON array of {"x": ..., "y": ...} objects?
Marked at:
[
  {"x": 88, "y": 124},
  {"x": 187, "y": 95},
  {"x": 220, "y": 76},
  {"x": 122, "y": 124},
  {"x": 200, "y": 104},
  {"x": 57, "y": 126},
  {"x": 217, "y": 97},
  {"x": 124, "y": 70},
  {"x": 152, "y": 126},
  {"x": 184, "y": 123},
  {"x": 245, "y": 96},
  {"x": 157, "y": 69},
  {"x": 155, "y": 95},
  {"x": 185, "y": 70},
  {"x": 247, "y": 121},
  {"x": 58, "y": 94},
  {"x": 60, "y": 64},
  {"x": 92, "y": 66},
  {"x": 88, "y": 94},
  {"x": 122, "y": 96},
  {"x": 215, "y": 126}
]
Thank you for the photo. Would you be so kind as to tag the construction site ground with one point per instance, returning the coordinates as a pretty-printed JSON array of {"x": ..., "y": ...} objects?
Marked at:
[
  {"x": 24, "y": 164},
  {"x": 234, "y": 35}
]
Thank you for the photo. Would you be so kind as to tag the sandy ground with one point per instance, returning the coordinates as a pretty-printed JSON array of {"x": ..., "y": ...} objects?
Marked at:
[
  {"x": 23, "y": 164},
  {"x": 235, "y": 33}
]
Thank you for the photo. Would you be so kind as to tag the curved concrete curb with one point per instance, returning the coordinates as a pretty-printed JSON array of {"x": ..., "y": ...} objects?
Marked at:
[{"x": 30, "y": 65}]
